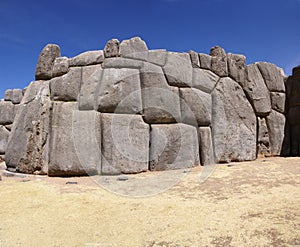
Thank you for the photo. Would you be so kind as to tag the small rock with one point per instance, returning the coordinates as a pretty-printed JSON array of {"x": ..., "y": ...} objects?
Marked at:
[
  {"x": 10, "y": 169},
  {"x": 122, "y": 178},
  {"x": 71, "y": 182}
]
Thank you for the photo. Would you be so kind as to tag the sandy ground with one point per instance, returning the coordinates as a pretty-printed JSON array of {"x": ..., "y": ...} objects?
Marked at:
[{"x": 242, "y": 204}]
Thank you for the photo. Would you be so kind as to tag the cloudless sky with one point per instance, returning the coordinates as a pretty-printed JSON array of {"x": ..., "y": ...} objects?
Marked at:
[{"x": 263, "y": 30}]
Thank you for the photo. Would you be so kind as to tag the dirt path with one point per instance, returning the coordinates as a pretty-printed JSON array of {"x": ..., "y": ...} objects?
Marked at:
[{"x": 243, "y": 204}]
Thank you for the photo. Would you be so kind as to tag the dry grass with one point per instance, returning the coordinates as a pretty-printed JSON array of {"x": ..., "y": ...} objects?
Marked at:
[{"x": 247, "y": 204}]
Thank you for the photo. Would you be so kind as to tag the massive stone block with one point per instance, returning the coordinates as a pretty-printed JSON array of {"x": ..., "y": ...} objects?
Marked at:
[
  {"x": 27, "y": 148},
  {"x": 125, "y": 144},
  {"x": 293, "y": 100},
  {"x": 275, "y": 123},
  {"x": 120, "y": 91},
  {"x": 161, "y": 102},
  {"x": 60, "y": 66},
  {"x": 178, "y": 69},
  {"x": 46, "y": 61},
  {"x": 121, "y": 63},
  {"x": 217, "y": 51},
  {"x": 87, "y": 58},
  {"x": 112, "y": 48},
  {"x": 204, "y": 80},
  {"x": 278, "y": 102},
  {"x": 194, "y": 59},
  {"x": 4, "y": 134},
  {"x": 75, "y": 141},
  {"x": 17, "y": 96},
  {"x": 195, "y": 107},
  {"x": 233, "y": 123},
  {"x": 158, "y": 57},
  {"x": 263, "y": 141},
  {"x": 206, "y": 146},
  {"x": 173, "y": 146},
  {"x": 273, "y": 76},
  {"x": 134, "y": 48},
  {"x": 7, "y": 112},
  {"x": 66, "y": 87},
  {"x": 292, "y": 129},
  {"x": 91, "y": 77},
  {"x": 257, "y": 91},
  {"x": 8, "y": 95},
  {"x": 219, "y": 61},
  {"x": 205, "y": 61},
  {"x": 237, "y": 67}
]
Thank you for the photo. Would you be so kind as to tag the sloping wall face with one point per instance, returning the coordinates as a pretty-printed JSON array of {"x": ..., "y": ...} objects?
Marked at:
[{"x": 127, "y": 109}]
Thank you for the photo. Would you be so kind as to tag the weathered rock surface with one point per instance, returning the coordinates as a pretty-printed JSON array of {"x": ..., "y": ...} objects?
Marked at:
[
  {"x": 7, "y": 112},
  {"x": 134, "y": 48},
  {"x": 158, "y": 57},
  {"x": 292, "y": 128},
  {"x": 275, "y": 123},
  {"x": 17, "y": 96},
  {"x": 120, "y": 91},
  {"x": 195, "y": 107},
  {"x": 46, "y": 61},
  {"x": 205, "y": 61},
  {"x": 8, "y": 95},
  {"x": 195, "y": 59},
  {"x": 206, "y": 146},
  {"x": 161, "y": 102},
  {"x": 217, "y": 51},
  {"x": 278, "y": 101},
  {"x": 204, "y": 80},
  {"x": 233, "y": 123},
  {"x": 293, "y": 99},
  {"x": 125, "y": 144},
  {"x": 60, "y": 66},
  {"x": 219, "y": 61},
  {"x": 27, "y": 148},
  {"x": 87, "y": 58},
  {"x": 237, "y": 67},
  {"x": 91, "y": 77},
  {"x": 257, "y": 91},
  {"x": 4, "y": 134},
  {"x": 273, "y": 76},
  {"x": 219, "y": 66},
  {"x": 178, "y": 69},
  {"x": 121, "y": 63},
  {"x": 112, "y": 48},
  {"x": 72, "y": 132},
  {"x": 263, "y": 141},
  {"x": 173, "y": 146},
  {"x": 66, "y": 87}
]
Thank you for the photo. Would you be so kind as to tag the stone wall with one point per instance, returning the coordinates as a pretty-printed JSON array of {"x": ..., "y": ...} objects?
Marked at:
[
  {"x": 9, "y": 107},
  {"x": 127, "y": 109}
]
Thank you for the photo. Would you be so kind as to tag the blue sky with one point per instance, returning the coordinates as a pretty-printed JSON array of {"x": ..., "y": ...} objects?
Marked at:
[{"x": 263, "y": 30}]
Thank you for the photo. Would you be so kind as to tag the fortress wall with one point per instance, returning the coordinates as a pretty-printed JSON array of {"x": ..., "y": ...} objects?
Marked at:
[{"x": 127, "y": 109}]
